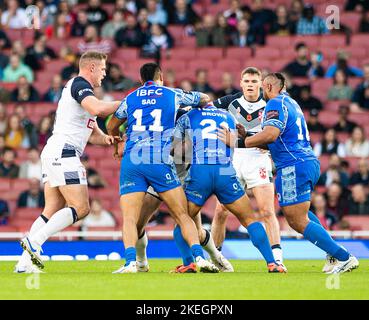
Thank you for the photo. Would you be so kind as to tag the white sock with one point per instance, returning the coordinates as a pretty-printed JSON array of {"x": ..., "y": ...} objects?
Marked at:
[
  {"x": 25, "y": 259},
  {"x": 278, "y": 255},
  {"x": 141, "y": 246},
  {"x": 59, "y": 221},
  {"x": 209, "y": 245}
]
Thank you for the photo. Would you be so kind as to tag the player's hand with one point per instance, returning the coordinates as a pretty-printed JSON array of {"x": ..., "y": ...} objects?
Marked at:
[
  {"x": 226, "y": 136},
  {"x": 109, "y": 140},
  {"x": 242, "y": 133}
]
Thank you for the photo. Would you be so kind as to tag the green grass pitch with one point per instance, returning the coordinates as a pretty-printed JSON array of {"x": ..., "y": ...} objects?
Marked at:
[{"x": 93, "y": 280}]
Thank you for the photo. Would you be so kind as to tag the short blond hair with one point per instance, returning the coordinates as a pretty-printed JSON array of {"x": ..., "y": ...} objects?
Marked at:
[
  {"x": 251, "y": 70},
  {"x": 91, "y": 55}
]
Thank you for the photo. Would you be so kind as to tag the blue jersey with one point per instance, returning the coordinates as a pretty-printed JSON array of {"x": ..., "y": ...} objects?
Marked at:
[
  {"x": 293, "y": 144},
  {"x": 151, "y": 112},
  {"x": 199, "y": 127}
]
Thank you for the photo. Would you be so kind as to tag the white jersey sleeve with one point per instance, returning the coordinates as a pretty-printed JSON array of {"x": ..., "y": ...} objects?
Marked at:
[{"x": 73, "y": 124}]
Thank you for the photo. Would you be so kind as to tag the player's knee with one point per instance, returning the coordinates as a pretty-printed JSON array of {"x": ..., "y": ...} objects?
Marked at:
[
  {"x": 266, "y": 213},
  {"x": 296, "y": 224},
  {"x": 82, "y": 210}
]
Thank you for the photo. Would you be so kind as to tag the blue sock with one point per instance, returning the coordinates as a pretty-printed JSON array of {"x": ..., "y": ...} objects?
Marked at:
[
  {"x": 183, "y": 247},
  {"x": 312, "y": 217},
  {"x": 130, "y": 254},
  {"x": 260, "y": 240},
  {"x": 197, "y": 251},
  {"x": 317, "y": 235}
]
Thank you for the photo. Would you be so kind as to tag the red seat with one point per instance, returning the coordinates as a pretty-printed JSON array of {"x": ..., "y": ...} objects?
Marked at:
[
  {"x": 279, "y": 64},
  {"x": 73, "y": 43},
  {"x": 255, "y": 62},
  {"x": 210, "y": 53},
  {"x": 361, "y": 119},
  {"x": 353, "y": 162},
  {"x": 10, "y": 86},
  {"x": 268, "y": 53},
  {"x": 280, "y": 42},
  {"x": 183, "y": 54},
  {"x": 108, "y": 163},
  {"x": 188, "y": 42},
  {"x": 358, "y": 39},
  {"x": 312, "y": 42},
  {"x": 358, "y": 222},
  {"x": 324, "y": 162},
  {"x": 228, "y": 65},
  {"x": 4, "y": 185},
  {"x": 126, "y": 54},
  {"x": 177, "y": 32},
  {"x": 19, "y": 185},
  {"x": 351, "y": 20},
  {"x": 27, "y": 213},
  {"x": 334, "y": 105},
  {"x": 56, "y": 44},
  {"x": 6, "y": 228},
  {"x": 238, "y": 54},
  {"x": 55, "y": 66},
  {"x": 333, "y": 41},
  {"x": 200, "y": 64},
  {"x": 328, "y": 118},
  {"x": 357, "y": 52},
  {"x": 14, "y": 34},
  {"x": 174, "y": 64},
  {"x": 214, "y": 9},
  {"x": 108, "y": 237},
  {"x": 96, "y": 152}
]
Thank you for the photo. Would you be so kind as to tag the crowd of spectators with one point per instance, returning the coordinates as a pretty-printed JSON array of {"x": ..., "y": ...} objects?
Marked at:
[{"x": 144, "y": 24}]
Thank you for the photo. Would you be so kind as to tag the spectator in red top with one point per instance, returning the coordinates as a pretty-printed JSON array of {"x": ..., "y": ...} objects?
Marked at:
[{"x": 61, "y": 28}]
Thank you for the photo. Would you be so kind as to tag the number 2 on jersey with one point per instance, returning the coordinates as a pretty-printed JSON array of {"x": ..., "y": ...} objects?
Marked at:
[
  {"x": 156, "y": 126},
  {"x": 209, "y": 131}
]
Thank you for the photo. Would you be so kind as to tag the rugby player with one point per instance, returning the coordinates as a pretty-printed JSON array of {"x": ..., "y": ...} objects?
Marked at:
[
  {"x": 66, "y": 192},
  {"x": 285, "y": 132},
  {"x": 253, "y": 165},
  {"x": 212, "y": 172},
  {"x": 150, "y": 113}
]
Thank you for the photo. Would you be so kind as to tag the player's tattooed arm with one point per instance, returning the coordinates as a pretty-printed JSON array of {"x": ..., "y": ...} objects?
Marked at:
[
  {"x": 204, "y": 99},
  {"x": 112, "y": 127},
  {"x": 268, "y": 135}
]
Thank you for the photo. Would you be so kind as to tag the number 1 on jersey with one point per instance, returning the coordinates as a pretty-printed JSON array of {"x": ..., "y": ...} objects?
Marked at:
[
  {"x": 300, "y": 135},
  {"x": 156, "y": 126}
]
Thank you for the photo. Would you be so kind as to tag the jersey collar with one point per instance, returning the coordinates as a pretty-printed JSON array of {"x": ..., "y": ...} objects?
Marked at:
[{"x": 150, "y": 83}]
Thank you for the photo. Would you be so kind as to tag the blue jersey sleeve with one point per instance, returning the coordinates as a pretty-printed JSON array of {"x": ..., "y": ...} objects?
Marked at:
[
  {"x": 187, "y": 98},
  {"x": 275, "y": 114},
  {"x": 182, "y": 125},
  {"x": 121, "y": 112}
]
